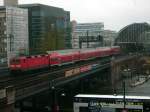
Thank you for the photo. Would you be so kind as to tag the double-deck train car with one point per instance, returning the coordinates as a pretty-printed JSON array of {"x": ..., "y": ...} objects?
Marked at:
[
  {"x": 60, "y": 57},
  {"x": 115, "y": 50}
]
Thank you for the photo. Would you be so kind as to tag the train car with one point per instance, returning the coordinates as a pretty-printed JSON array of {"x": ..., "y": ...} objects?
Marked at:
[
  {"x": 86, "y": 54},
  {"x": 61, "y": 57},
  {"x": 17, "y": 64},
  {"x": 29, "y": 63},
  {"x": 54, "y": 59},
  {"x": 115, "y": 50},
  {"x": 104, "y": 51},
  {"x": 96, "y": 53}
]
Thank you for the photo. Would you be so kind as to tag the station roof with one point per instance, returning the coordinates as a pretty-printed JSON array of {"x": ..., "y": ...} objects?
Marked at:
[{"x": 129, "y": 36}]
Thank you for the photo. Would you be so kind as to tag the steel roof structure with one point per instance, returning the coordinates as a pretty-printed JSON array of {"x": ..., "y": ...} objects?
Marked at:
[{"x": 129, "y": 37}]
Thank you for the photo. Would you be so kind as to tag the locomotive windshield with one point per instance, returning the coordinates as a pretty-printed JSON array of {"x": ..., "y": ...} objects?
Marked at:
[{"x": 15, "y": 61}]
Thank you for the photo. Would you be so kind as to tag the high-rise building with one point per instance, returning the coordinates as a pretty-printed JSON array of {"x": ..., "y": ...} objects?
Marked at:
[
  {"x": 10, "y": 2},
  {"x": 13, "y": 33},
  {"x": 85, "y": 31},
  {"x": 75, "y": 39},
  {"x": 49, "y": 28}
]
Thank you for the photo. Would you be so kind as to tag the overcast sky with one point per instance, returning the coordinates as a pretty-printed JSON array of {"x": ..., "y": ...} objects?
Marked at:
[{"x": 114, "y": 13}]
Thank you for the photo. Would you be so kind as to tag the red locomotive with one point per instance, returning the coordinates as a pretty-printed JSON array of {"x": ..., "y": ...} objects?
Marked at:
[{"x": 60, "y": 57}]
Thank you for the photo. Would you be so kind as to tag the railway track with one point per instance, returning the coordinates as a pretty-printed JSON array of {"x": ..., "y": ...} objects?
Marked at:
[
  {"x": 27, "y": 80},
  {"x": 40, "y": 84},
  {"x": 44, "y": 77},
  {"x": 30, "y": 84}
]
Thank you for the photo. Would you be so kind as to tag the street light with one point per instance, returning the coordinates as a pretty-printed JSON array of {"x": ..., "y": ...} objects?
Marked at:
[
  {"x": 63, "y": 94},
  {"x": 126, "y": 72}
]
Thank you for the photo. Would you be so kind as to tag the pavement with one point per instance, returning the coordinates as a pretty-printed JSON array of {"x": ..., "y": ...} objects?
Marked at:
[
  {"x": 140, "y": 87},
  {"x": 139, "y": 81},
  {"x": 137, "y": 85}
]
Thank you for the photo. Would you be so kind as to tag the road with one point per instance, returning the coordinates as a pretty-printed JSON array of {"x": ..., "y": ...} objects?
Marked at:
[{"x": 140, "y": 90}]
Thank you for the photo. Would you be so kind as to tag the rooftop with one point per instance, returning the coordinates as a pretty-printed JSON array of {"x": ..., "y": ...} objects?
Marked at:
[{"x": 38, "y": 4}]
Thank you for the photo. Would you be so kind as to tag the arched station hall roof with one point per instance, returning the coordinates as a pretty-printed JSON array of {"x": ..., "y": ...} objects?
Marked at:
[{"x": 129, "y": 36}]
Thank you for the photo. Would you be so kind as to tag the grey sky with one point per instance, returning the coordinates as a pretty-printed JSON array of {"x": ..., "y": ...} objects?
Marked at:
[{"x": 114, "y": 13}]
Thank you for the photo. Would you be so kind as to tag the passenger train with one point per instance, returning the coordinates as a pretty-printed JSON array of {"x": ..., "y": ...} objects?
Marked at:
[{"x": 59, "y": 58}]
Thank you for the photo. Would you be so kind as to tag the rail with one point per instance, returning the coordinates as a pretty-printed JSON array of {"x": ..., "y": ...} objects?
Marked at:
[{"x": 27, "y": 85}]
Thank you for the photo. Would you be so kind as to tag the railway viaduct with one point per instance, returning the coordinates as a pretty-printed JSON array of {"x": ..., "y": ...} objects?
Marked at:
[{"x": 16, "y": 89}]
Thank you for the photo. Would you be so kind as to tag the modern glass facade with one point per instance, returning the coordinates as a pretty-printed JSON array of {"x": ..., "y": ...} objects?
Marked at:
[{"x": 48, "y": 28}]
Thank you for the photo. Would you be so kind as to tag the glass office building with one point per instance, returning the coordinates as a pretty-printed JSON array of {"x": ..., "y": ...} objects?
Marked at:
[{"x": 49, "y": 28}]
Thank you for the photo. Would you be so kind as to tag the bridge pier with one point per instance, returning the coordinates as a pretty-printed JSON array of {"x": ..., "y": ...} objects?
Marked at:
[
  {"x": 7, "y": 99},
  {"x": 124, "y": 68},
  {"x": 34, "y": 104},
  {"x": 54, "y": 106},
  {"x": 28, "y": 105},
  {"x": 8, "y": 108},
  {"x": 81, "y": 86},
  {"x": 21, "y": 106}
]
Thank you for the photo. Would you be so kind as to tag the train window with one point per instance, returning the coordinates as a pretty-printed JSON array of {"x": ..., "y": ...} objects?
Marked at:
[
  {"x": 15, "y": 61},
  {"x": 12, "y": 61},
  {"x": 54, "y": 59},
  {"x": 24, "y": 60}
]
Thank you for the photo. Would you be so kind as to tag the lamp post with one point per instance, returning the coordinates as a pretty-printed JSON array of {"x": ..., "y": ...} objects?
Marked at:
[
  {"x": 124, "y": 94},
  {"x": 55, "y": 106},
  {"x": 126, "y": 72}
]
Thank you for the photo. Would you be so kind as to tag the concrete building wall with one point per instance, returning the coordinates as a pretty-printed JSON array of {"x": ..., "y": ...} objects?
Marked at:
[
  {"x": 14, "y": 33},
  {"x": 85, "y": 30},
  {"x": 3, "y": 37},
  {"x": 109, "y": 37},
  {"x": 10, "y": 2},
  {"x": 75, "y": 39},
  {"x": 48, "y": 28}
]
